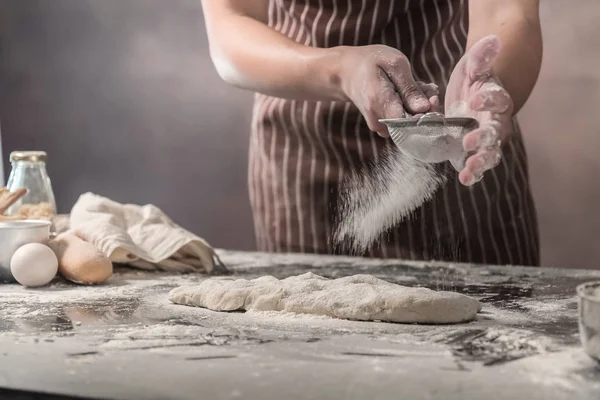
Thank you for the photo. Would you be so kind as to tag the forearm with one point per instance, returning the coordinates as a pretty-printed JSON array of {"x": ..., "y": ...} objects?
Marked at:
[
  {"x": 250, "y": 55},
  {"x": 518, "y": 64}
]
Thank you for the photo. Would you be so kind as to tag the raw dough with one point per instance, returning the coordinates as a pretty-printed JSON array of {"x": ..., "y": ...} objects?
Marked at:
[{"x": 358, "y": 297}]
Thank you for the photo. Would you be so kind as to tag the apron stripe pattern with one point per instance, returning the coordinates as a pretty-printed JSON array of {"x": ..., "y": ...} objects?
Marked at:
[{"x": 300, "y": 151}]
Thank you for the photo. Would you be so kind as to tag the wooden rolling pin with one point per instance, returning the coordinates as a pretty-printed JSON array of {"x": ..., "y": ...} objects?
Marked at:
[{"x": 80, "y": 261}]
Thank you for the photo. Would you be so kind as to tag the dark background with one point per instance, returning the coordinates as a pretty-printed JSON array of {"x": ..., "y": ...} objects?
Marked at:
[{"x": 124, "y": 98}]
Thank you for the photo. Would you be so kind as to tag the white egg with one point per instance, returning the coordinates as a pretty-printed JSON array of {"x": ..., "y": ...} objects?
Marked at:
[{"x": 34, "y": 265}]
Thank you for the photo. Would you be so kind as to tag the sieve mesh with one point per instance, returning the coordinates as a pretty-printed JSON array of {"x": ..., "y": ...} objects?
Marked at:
[{"x": 432, "y": 138}]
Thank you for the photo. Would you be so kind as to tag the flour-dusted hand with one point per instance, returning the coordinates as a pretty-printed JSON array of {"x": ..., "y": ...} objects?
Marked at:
[
  {"x": 378, "y": 80},
  {"x": 474, "y": 91}
]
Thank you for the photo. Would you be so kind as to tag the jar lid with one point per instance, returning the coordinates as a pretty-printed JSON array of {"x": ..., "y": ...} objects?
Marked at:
[{"x": 34, "y": 156}]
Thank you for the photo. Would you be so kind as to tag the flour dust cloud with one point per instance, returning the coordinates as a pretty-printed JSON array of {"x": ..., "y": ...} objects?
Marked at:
[{"x": 381, "y": 196}]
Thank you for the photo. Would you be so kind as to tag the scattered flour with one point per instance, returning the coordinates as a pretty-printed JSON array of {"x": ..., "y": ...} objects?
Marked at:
[
  {"x": 59, "y": 291},
  {"x": 494, "y": 345},
  {"x": 567, "y": 371},
  {"x": 550, "y": 305},
  {"x": 287, "y": 315}
]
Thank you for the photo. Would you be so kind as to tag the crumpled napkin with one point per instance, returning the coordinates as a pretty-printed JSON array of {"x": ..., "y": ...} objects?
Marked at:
[{"x": 141, "y": 236}]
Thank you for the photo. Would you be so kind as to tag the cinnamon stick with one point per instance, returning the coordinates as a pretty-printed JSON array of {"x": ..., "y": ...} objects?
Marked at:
[
  {"x": 15, "y": 218},
  {"x": 8, "y": 198}
]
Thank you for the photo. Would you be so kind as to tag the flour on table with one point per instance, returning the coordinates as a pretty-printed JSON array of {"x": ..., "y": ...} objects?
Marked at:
[
  {"x": 357, "y": 297},
  {"x": 288, "y": 315}
]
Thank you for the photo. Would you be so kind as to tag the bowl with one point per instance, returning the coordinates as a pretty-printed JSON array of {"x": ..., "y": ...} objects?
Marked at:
[
  {"x": 14, "y": 234},
  {"x": 589, "y": 318}
]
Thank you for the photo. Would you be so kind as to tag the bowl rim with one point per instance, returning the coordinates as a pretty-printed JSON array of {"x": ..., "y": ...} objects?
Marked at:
[
  {"x": 581, "y": 291},
  {"x": 24, "y": 224}
]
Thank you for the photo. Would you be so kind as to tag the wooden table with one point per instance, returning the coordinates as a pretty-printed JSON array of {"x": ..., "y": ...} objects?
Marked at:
[{"x": 124, "y": 340}]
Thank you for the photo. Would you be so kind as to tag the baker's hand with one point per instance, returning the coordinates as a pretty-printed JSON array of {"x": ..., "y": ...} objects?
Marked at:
[
  {"x": 474, "y": 91},
  {"x": 379, "y": 81}
]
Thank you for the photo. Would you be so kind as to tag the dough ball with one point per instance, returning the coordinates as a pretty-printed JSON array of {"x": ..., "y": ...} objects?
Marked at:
[{"x": 34, "y": 265}]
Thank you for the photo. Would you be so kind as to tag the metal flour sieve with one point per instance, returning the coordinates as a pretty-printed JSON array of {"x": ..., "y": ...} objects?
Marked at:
[{"x": 432, "y": 138}]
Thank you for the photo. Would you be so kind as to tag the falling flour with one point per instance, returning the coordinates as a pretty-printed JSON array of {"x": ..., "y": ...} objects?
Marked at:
[
  {"x": 384, "y": 193},
  {"x": 379, "y": 198}
]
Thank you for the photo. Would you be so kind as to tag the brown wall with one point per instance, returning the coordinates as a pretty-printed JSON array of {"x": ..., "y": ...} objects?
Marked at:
[
  {"x": 123, "y": 96},
  {"x": 561, "y": 123}
]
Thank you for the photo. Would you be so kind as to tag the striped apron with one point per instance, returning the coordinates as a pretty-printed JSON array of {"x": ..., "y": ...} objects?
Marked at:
[{"x": 300, "y": 151}]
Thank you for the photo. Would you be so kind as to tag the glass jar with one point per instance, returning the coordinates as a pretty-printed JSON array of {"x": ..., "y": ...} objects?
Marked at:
[{"x": 29, "y": 172}]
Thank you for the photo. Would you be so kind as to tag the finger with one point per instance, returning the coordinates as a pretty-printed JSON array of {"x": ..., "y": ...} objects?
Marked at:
[
  {"x": 386, "y": 106},
  {"x": 377, "y": 127},
  {"x": 484, "y": 160},
  {"x": 400, "y": 73},
  {"x": 481, "y": 57},
  {"x": 493, "y": 98},
  {"x": 373, "y": 123},
  {"x": 392, "y": 106},
  {"x": 413, "y": 98},
  {"x": 429, "y": 89},
  {"x": 476, "y": 166},
  {"x": 384, "y": 133},
  {"x": 432, "y": 92},
  {"x": 483, "y": 137},
  {"x": 383, "y": 102},
  {"x": 467, "y": 178}
]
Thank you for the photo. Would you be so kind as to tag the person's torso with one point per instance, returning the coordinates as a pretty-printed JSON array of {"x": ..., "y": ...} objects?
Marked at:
[
  {"x": 431, "y": 33},
  {"x": 300, "y": 151}
]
